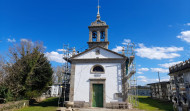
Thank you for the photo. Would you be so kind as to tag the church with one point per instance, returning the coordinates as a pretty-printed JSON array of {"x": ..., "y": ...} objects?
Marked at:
[{"x": 98, "y": 75}]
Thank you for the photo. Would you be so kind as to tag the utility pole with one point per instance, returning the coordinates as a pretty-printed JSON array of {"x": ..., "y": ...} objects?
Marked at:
[
  {"x": 159, "y": 85},
  {"x": 158, "y": 76}
]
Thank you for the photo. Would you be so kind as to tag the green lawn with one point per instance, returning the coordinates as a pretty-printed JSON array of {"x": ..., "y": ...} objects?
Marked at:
[
  {"x": 148, "y": 104},
  {"x": 49, "y": 104}
]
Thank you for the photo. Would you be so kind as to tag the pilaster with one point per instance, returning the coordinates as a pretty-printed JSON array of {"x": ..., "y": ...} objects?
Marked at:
[
  {"x": 72, "y": 79},
  {"x": 90, "y": 36},
  {"x": 98, "y": 36},
  {"x": 106, "y": 34}
]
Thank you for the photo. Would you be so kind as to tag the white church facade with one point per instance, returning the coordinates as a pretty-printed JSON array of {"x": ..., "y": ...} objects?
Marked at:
[{"x": 98, "y": 74}]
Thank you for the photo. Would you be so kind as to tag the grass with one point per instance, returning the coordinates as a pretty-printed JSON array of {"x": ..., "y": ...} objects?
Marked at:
[
  {"x": 149, "y": 104},
  {"x": 49, "y": 104},
  {"x": 145, "y": 103}
]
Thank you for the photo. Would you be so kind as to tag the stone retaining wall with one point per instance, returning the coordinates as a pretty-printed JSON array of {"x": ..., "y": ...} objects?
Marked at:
[
  {"x": 14, "y": 105},
  {"x": 111, "y": 105}
]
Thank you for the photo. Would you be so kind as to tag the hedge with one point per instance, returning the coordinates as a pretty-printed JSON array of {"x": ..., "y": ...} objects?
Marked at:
[{"x": 14, "y": 105}]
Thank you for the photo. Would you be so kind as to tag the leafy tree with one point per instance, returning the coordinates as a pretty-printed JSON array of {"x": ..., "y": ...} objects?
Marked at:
[{"x": 29, "y": 71}]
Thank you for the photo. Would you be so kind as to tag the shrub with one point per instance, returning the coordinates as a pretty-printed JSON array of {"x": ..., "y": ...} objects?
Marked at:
[{"x": 5, "y": 93}]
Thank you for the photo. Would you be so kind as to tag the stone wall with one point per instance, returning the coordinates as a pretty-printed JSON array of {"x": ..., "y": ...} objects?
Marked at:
[
  {"x": 14, "y": 105},
  {"x": 111, "y": 105}
]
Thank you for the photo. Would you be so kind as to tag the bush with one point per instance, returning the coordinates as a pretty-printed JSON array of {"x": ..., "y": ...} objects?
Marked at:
[{"x": 5, "y": 93}]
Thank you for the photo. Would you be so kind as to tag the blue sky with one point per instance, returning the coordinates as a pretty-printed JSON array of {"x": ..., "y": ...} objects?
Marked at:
[{"x": 159, "y": 28}]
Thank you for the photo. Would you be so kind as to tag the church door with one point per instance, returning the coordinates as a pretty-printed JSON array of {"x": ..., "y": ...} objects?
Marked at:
[{"x": 97, "y": 100}]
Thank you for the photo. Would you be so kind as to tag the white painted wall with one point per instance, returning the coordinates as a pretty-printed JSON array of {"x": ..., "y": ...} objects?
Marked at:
[
  {"x": 82, "y": 83},
  {"x": 54, "y": 90},
  {"x": 103, "y": 54}
]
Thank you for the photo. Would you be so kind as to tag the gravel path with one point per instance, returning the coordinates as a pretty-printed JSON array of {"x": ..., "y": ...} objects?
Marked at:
[{"x": 101, "y": 109}]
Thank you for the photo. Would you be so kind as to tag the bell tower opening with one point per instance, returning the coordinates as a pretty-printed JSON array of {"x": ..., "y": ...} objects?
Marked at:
[
  {"x": 102, "y": 36},
  {"x": 98, "y": 33},
  {"x": 94, "y": 36}
]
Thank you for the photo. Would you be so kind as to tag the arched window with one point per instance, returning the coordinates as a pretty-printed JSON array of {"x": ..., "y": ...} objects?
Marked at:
[
  {"x": 102, "y": 35},
  {"x": 97, "y": 69},
  {"x": 94, "y": 36}
]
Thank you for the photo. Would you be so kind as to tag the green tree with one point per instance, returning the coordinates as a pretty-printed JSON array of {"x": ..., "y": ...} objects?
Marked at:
[{"x": 29, "y": 71}]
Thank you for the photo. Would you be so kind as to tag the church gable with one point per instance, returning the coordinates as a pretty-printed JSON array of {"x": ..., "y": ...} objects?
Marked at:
[{"x": 98, "y": 52}]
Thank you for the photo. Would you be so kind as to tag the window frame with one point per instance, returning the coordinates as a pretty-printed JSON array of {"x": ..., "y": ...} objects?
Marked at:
[{"x": 96, "y": 72}]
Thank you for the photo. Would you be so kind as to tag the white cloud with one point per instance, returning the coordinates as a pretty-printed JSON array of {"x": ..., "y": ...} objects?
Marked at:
[
  {"x": 11, "y": 40},
  {"x": 166, "y": 78},
  {"x": 54, "y": 56},
  {"x": 188, "y": 24},
  {"x": 143, "y": 69},
  {"x": 148, "y": 80},
  {"x": 167, "y": 65},
  {"x": 26, "y": 40},
  {"x": 142, "y": 78},
  {"x": 126, "y": 41},
  {"x": 185, "y": 35},
  {"x": 158, "y": 52},
  {"x": 60, "y": 50},
  {"x": 140, "y": 72},
  {"x": 160, "y": 70},
  {"x": 117, "y": 49}
]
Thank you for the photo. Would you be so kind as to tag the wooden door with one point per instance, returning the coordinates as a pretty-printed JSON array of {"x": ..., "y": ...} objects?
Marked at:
[{"x": 97, "y": 97}]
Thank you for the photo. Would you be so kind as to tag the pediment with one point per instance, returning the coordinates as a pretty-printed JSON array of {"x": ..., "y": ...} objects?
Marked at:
[{"x": 98, "y": 52}]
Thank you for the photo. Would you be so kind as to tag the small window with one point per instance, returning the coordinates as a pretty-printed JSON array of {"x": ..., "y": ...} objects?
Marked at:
[
  {"x": 97, "y": 51},
  {"x": 97, "y": 69}
]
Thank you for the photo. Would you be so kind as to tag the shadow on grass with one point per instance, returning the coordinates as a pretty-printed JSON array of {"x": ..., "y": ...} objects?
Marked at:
[
  {"x": 48, "y": 102},
  {"x": 161, "y": 105}
]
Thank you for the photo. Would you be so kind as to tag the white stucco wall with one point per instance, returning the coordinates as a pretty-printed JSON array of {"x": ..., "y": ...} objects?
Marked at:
[
  {"x": 103, "y": 54},
  {"x": 54, "y": 90},
  {"x": 113, "y": 83}
]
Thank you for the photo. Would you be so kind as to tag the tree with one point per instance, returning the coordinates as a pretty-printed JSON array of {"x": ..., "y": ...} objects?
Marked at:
[
  {"x": 2, "y": 71},
  {"x": 58, "y": 74},
  {"x": 29, "y": 71},
  {"x": 4, "y": 91}
]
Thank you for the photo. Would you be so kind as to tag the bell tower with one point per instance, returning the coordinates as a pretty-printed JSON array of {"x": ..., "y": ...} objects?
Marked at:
[{"x": 98, "y": 33}]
